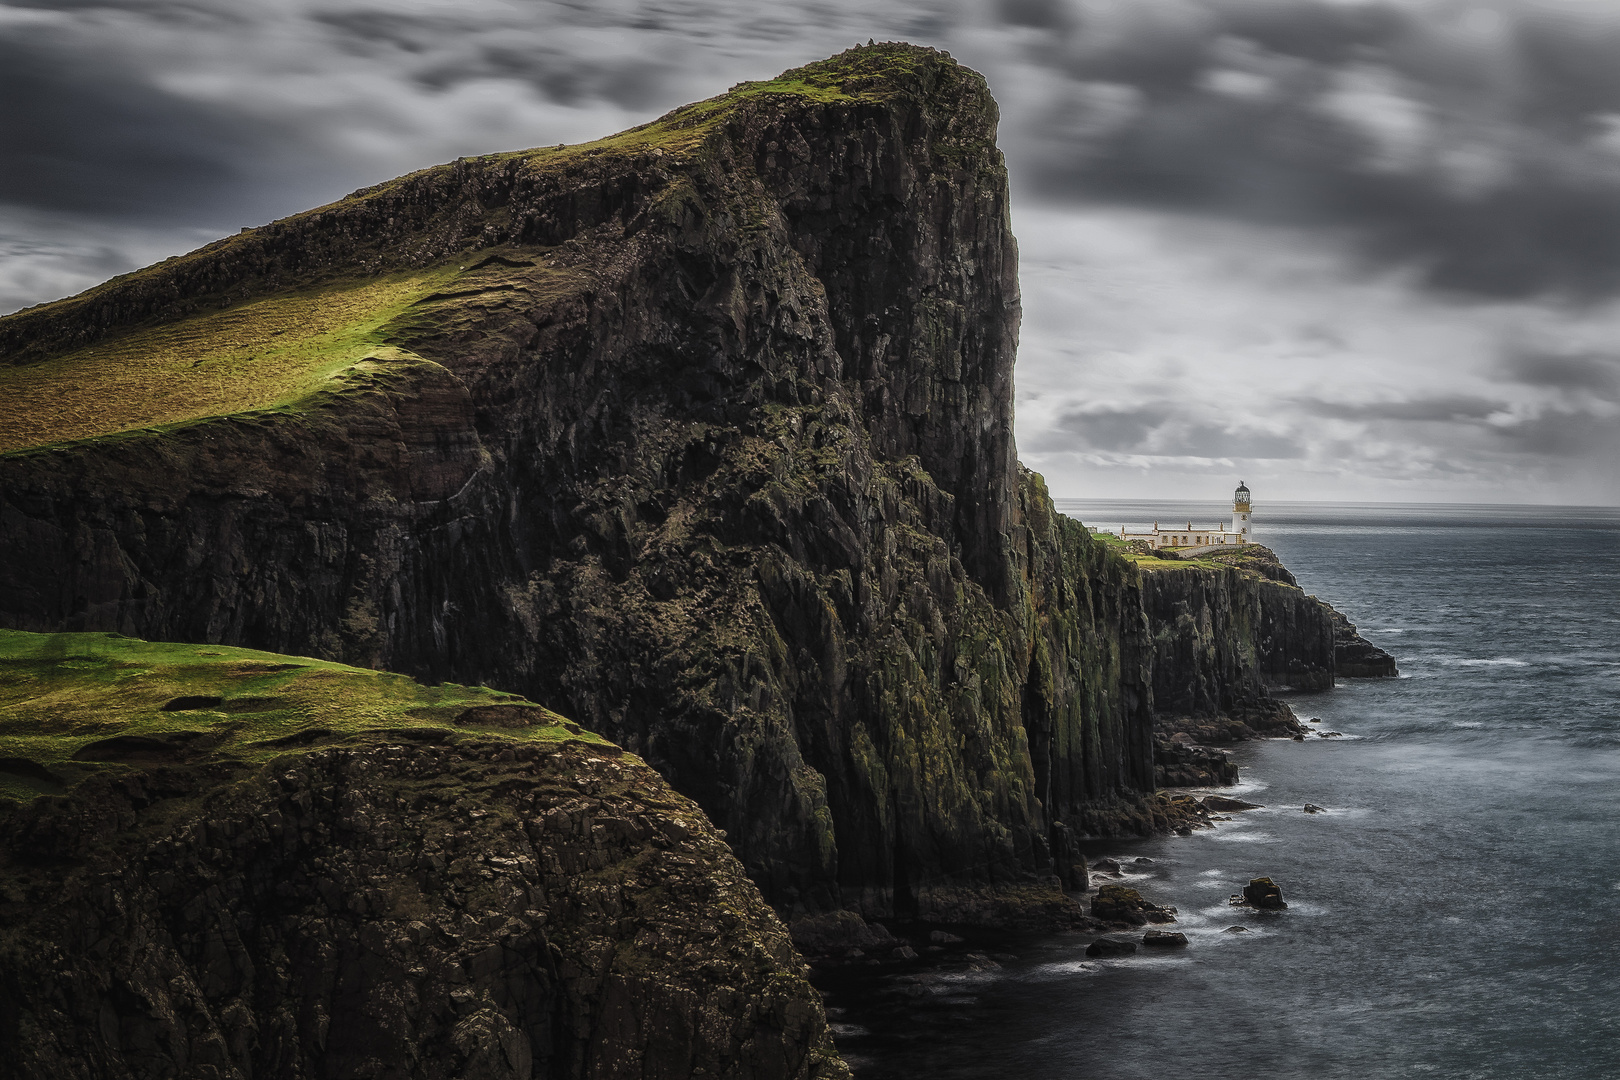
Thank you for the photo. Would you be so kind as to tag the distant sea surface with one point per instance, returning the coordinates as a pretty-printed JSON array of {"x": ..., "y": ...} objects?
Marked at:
[{"x": 1455, "y": 914}]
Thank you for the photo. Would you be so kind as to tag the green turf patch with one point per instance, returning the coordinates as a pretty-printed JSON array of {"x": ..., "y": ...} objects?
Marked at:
[
  {"x": 73, "y": 704},
  {"x": 255, "y": 356}
]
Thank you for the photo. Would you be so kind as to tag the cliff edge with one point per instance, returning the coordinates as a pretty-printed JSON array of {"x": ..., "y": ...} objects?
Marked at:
[{"x": 225, "y": 863}]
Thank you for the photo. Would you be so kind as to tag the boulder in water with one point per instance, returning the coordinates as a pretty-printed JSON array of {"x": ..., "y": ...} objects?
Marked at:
[
  {"x": 1111, "y": 947},
  {"x": 1263, "y": 893},
  {"x": 1221, "y": 802},
  {"x": 1117, "y": 903},
  {"x": 1312, "y": 808},
  {"x": 1164, "y": 939}
]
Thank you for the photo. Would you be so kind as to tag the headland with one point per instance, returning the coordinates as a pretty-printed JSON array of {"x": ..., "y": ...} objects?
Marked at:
[{"x": 700, "y": 436}]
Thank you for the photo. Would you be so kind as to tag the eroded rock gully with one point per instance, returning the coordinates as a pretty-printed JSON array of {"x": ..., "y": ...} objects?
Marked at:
[{"x": 711, "y": 450}]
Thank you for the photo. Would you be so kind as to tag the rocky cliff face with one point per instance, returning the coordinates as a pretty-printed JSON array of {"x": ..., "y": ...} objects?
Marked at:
[
  {"x": 707, "y": 444},
  {"x": 1228, "y": 629},
  {"x": 392, "y": 908},
  {"x": 226, "y": 864}
]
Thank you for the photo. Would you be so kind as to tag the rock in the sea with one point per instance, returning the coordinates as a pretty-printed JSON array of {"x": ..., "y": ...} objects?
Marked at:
[
  {"x": 1112, "y": 947},
  {"x": 837, "y": 931},
  {"x": 1312, "y": 808},
  {"x": 1118, "y": 903},
  {"x": 1263, "y": 893},
  {"x": 942, "y": 937},
  {"x": 1142, "y": 860},
  {"x": 1164, "y": 939},
  {"x": 1299, "y": 738},
  {"x": 1236, "y": 930},
  {"x": 1111, "y": 865},
  {"x": 904, "y": 952},
  {"x": 1221, "y": 802}
]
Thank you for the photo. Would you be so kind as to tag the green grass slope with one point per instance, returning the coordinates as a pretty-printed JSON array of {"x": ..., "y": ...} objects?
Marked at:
[
  {"x": 326, "y": 301},
  {"x": 75, "y": 704}
]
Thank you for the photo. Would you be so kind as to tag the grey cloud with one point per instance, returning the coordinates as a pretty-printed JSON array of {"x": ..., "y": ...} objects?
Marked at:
[
  {"x": 98, "y": 138},
  {"x": 1487, "y": 153},
  {"x": 1422, "y": 410},
  {"x": 1559, "y": 435},
  {"x": 1598, "y": 375},
  {"x": 1161, "y": 430},
  {"x": 1040, "y": 14},
  {"x": 1124, "y": 430}
]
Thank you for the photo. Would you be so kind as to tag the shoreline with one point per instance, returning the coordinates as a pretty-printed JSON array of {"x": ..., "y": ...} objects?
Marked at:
[{"x": 950, "y": 964}]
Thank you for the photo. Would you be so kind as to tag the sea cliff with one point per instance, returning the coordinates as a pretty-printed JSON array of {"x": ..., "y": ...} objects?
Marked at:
[
  {"x": 700, "y": 435},
  {"x": 223, "y": 863}
]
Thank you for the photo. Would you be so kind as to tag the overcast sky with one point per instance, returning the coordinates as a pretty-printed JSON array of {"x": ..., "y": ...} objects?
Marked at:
[{"x": 1340, "y": 250}]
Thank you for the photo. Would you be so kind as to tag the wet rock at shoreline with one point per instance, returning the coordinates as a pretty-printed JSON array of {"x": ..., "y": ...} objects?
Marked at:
[
  {"x": 1110, "y": 865},
  {"x": 1164, "y": 939},
  {"x": 1106, "y": 947},
  {"x": 1312, "y": 808},
  {"x": 840, "y": 933},
  {"x": 1179, "y": 763},
  {"x": 1236, "y": 930},
  {"x": 1121, "y": 904},
  {"x": 1264, "y": 894},
  {"x": 1221, "y": 802}
]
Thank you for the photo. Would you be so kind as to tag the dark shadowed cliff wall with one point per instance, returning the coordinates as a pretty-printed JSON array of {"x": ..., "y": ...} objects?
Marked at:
[{"x": 709, "y": 446}]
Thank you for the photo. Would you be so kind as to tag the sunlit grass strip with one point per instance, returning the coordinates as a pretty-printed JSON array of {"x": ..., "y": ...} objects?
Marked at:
[
  {"x": 258, "y": 355},
  {"x": 62, "y": 692}
]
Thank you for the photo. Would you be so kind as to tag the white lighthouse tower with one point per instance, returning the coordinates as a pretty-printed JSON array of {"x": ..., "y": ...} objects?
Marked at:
[{"x": 1240, "y": 512}]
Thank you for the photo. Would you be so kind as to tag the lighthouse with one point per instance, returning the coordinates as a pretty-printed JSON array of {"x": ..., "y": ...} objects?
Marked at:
[{"x": 1240, "y": 512}]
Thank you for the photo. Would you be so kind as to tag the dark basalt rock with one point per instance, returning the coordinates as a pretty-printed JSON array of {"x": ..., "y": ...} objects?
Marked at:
[
  {"x": 1122, "y": 904},
  {"x": 1110, "y": 865},
  {"x": 835, "y": 933},
  {"x": 1312, "y": 808},
  {"x": 1222, "y": 803},
  {"x": 1164, "y": 939},
  {"x": 1264, "y": 894},
  {"x": 1354, "y": 656},
  {"x": 1180, "y": 764},
  {"x": 481, "y": 910}
]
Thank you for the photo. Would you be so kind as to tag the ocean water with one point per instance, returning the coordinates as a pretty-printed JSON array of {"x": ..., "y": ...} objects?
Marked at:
[{"x": 1455, "y": 914}]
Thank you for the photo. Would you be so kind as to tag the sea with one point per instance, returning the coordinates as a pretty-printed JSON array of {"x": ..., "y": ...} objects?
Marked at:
[{"x": 1455, "y": 912}]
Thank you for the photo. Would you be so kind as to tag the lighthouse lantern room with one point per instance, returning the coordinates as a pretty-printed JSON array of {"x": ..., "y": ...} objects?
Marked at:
[{"x": 1240, "y": 512}]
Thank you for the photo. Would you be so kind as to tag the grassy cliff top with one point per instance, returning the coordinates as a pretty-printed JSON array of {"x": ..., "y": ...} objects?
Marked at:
[
  {"x": 263, "y": 355},
  {"x": 272, "y": 318},
  {"x": 73, "y": 704}
]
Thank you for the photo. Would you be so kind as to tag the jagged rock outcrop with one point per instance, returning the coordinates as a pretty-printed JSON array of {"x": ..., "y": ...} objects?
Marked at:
[
  {"x": 1354, "y": 656},
  {"x": 705, "y": 439},
  {"x": 1224, "y": 638},
  {"x": 466, "y": 908}
]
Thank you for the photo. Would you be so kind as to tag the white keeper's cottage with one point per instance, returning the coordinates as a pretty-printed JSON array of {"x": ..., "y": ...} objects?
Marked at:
[{"x": 1192, "y": 540}]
